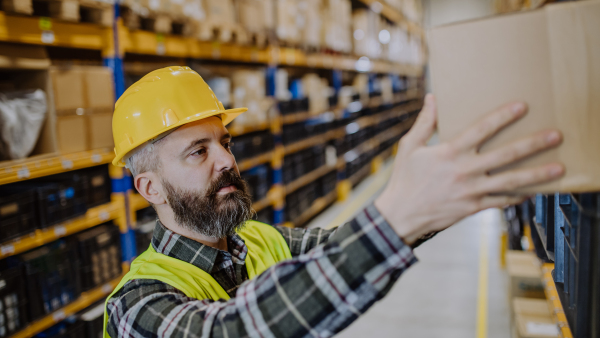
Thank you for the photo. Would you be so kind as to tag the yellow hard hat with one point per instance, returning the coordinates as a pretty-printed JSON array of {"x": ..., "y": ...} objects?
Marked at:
[{"x": 162, "y": 100}]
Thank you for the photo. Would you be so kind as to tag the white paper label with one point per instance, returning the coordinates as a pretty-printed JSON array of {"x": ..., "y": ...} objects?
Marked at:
[
  {"x": 23, "y": 173},
  {"x": 47, "y": 36},
  {"x": 103, "y": 215},
  {"x": 542, "y": 329},
  {"x": 160, "y": 48},
  {"x": 96, "y": 158},
  {"x": 58, "y": 316},
  {"x": 60, "y": 230},
  {"x": 106, "y": 288},
  {"x": 7, "y": 249},
  {"x": 67, "y": 164}
]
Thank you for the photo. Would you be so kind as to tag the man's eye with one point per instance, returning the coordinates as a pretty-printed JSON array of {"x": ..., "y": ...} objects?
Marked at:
[
  {"x": 228, "y": 145},
  {"x": 199, "y": 152}
]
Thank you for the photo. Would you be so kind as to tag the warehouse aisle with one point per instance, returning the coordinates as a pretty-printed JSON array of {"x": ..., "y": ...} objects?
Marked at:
[{"x": 438, "y": 297}]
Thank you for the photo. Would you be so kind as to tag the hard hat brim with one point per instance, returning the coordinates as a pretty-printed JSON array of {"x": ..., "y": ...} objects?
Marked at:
[{"x": 226, "y": 116}]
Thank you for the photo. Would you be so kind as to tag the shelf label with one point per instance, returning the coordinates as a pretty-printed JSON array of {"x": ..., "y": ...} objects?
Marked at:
[
  {"x": 96, "y": 158},
  {"x": 58, "y": 316},
  {"x": 216, "y": 50},
  {"x": 7, "y": 249},
  {"x": 104, "y": 215},
  {"x": 48, "y": 37},
  {"x": 45, "y": 23},
  {"x": 60, "y": 230},
  {"x": 23, "y": 173},
  {"x": 107, "y": 288},
  {"x": 160, "y": 44},
  {"x": 67, "y": 164}
]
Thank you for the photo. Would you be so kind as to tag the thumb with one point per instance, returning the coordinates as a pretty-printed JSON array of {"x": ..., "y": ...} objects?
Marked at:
[{"x": 425, "y": 125}]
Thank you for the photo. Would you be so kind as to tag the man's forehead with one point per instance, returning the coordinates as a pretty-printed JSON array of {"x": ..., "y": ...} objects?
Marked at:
[{"x": 207, "y": 128}]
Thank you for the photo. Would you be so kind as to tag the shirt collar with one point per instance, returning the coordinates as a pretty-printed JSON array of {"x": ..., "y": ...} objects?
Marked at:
[{"x": 169, "y": 243}]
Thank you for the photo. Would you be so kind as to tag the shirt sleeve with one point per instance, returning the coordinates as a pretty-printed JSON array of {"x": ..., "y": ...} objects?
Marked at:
[
  {"x": 302, "y": 240},
  {"x": 317, "y": 293}
]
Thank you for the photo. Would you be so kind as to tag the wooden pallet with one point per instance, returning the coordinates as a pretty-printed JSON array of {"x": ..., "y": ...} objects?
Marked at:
[
  {"x": 17, "y": 6},
  {"x": 225, "y": 33},
  {"x": 163, "y": 23},
  {"x": 74, "y": 10}
]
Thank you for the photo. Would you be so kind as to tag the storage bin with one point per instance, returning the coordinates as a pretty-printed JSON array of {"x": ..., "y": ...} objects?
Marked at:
[
  {"x": 17, "y": 213},
  {"x": 13, "y": 301}
]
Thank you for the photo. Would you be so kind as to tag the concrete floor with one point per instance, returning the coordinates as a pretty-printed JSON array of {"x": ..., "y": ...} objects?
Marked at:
[{"x": 439, "y": 296}]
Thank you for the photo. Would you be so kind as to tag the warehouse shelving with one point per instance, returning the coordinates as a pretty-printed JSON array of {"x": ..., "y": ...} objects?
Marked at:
[
  {"x": 554, "y": 304},
  {"x": 46, "y": 31},
  {"x": 44, "y": 165},
  {"x": 93, "y": 217},
  {"x": 85, "y": 300},
  {"x": 254, "y": 161},
  {"x": 317, "y": 206},
  {"x": 311, "y": 176}
]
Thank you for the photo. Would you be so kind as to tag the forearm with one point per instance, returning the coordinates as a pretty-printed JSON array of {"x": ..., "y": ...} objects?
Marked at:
[
  {"x": 315, "y": 293},
  {"x": 301, "y": 241}
]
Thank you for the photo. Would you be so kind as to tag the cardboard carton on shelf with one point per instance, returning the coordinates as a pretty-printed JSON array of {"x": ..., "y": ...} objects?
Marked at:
[
  {"x": 549, "y": 58},
  {"x": 532, "y": 319},
  {"x": 525, "y": 275}
]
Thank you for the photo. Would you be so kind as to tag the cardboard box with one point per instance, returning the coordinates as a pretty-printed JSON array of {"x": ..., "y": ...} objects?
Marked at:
[
  {"x": 99, "y": 130},
  {"x": 99, "y": 88},
  {"x": 549, "y": 58},
  {"x": 71, "y": 133},
  {"x": 525, "y": 275},
  {"x": 67, "y": 85},
  {"x": 532, "y": 319}
]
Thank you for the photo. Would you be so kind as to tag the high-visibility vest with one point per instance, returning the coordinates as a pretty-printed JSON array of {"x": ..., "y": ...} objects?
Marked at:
[{"x": 265, "y": 245}]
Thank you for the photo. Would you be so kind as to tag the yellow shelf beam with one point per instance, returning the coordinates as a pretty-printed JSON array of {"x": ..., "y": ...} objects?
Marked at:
[
  {"x": 86, "y": 299},
  {"x": 556, "y": 309},
  {"x": 309, "y": 177},
  {"x": 261, "y": 204},
  {"x": 46, "y": 31},
  {"x": 254, "y": 161},
  {"x": 44, "y": 165},
  {"x": 93, "y": 217},
  {"x": 317, "y": 206}
]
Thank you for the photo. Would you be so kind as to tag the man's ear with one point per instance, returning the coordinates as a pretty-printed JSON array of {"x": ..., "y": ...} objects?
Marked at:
[{"x": 149, "y": 186}]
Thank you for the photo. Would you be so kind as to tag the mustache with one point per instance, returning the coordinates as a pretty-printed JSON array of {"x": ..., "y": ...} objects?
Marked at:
[{"x": 227, "y": 178}]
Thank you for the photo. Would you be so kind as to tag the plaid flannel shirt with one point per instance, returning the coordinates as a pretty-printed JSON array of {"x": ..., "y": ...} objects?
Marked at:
[{"x": 333, "y": 277}]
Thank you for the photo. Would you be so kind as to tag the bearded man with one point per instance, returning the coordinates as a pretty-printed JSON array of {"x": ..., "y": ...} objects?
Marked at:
[{"x": 213, "y": 272}]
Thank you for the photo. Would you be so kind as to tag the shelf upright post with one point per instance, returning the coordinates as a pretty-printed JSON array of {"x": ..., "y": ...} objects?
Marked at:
[
  {"x": 277, "y": 189},
  {"x": 114, "y": 52},
  {"x": 120, "y": 185}
]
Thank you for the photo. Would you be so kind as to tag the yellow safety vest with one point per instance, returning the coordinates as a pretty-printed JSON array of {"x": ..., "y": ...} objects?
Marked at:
[{"x": 265, "y": 245}]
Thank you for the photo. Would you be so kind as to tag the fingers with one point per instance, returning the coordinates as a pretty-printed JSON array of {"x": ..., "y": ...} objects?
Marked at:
[
  {"x": 425, "y": 125},
  {"x": 515, "y": 179},
  {"x": 490, "y": 125},
  {"x": 518, "y": 150},
  {"x": 500, "y": 201}
]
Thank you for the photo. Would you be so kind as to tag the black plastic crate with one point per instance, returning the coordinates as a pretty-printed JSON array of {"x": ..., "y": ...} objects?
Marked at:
[
  {"x": 13, "y": 301},
  {"x": 577, "y": 261},
  {"x": 252, "y": 144},
  {"x": 258, "y": 180},
  {"x": 17, "y": 213},
  {"x": 50, "y": 277},
  {"x": 146, "y": 221},
  {"x": 93, "y": 321},
  {"x": 99, "y": 251},
  {"x": 265, "y": 215},
  {"x": 97, "y": 185}
]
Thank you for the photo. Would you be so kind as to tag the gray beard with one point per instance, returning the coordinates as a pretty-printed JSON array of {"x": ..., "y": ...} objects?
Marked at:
[{"x": 212, "y": 215}]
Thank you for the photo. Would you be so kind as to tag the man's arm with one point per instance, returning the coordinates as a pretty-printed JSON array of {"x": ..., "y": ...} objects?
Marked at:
[
  {"x": 302, "y": 240},
  {"x": 317, "y": 293}
]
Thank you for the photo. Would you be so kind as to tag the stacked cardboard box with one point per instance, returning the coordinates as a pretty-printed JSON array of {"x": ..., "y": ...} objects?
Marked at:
[
  {"x": 317, "y": 90},
  {"x": 83, "y": 101},
  {"x": 249, "y": 91},
  {"x": 530, "y": 315},
  {"x": 337, "y": 25}
]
